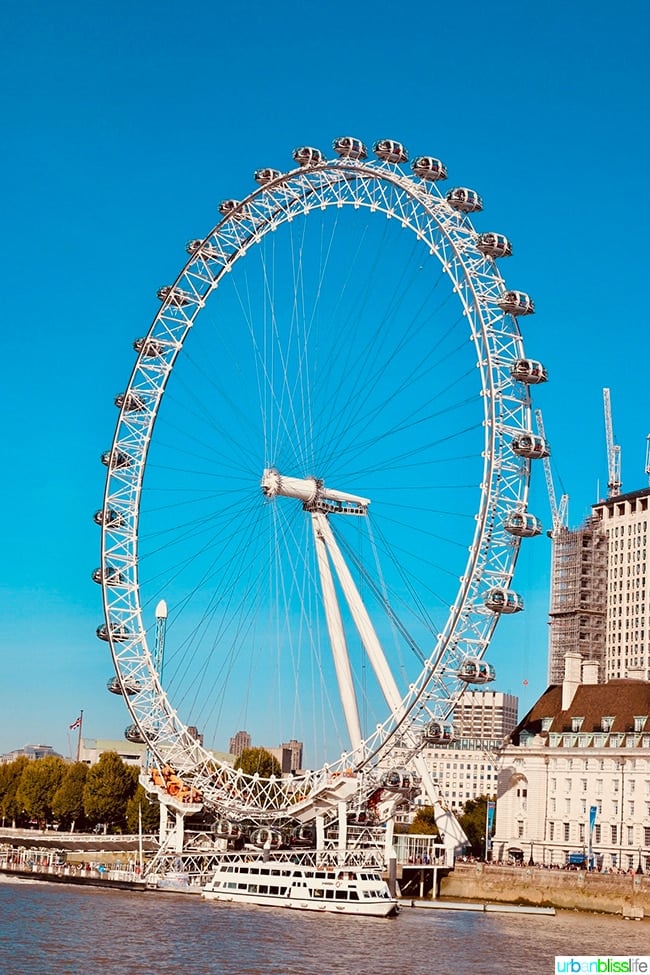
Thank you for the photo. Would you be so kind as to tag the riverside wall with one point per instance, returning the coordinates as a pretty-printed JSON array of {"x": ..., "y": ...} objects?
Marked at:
[{"x": 625, "y": 894}]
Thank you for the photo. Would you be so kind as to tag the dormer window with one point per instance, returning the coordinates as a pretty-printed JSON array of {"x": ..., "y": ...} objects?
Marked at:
[
  {"x": 639, "y": 722},
  {"x": 607, "y": 722},
  {"x": 576, "y": 724},
  {"x": 546, "y": 724}
]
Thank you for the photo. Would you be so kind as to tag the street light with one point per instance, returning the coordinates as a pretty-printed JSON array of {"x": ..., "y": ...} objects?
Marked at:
[{"x": 639, "y": 869}]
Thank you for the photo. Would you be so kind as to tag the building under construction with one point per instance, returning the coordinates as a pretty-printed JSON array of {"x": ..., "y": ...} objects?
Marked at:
[{"x": 578, "y": 604}]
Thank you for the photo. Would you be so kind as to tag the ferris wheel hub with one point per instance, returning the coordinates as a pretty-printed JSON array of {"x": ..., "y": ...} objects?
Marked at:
[{"x": 313, "y": 494}]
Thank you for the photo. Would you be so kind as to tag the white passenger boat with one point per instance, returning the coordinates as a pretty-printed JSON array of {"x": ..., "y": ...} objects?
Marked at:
[{"x": 301, "y": 886}]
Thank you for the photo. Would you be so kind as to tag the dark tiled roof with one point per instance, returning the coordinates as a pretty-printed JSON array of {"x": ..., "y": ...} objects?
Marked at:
[{"x": 620, "y": 699}]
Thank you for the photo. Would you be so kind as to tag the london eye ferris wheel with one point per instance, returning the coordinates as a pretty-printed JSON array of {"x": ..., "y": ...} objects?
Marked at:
[{"x": 321, "y": 462}]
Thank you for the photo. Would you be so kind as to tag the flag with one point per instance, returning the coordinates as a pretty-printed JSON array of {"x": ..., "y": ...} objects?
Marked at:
[{"x": 76, "y": 724}]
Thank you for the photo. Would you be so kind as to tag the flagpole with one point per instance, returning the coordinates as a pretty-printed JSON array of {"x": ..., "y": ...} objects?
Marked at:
[{"x": 81, "y": 721}]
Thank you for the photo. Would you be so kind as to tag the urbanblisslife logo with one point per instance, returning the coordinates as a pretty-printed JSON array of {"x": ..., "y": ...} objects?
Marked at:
[{"x": 601, "y": 963}]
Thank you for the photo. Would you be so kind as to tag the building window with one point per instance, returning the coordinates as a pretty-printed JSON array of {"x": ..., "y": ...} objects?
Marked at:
[
  {"x": 614, "y": 834},
  {"x": 567, "y": 827},
  {"x": 551, "y": 832},
  {"x": 581, "y": 832},
  {"x": 630, "y": 836},
  {"x": 597, "y": 833}
]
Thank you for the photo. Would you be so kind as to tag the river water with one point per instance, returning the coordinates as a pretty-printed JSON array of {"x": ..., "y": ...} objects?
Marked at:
[{"x": 46, "y": 929}]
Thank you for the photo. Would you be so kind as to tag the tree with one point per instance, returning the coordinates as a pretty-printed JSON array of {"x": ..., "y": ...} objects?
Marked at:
[
  {"x": 109, "y": 786},
  {"x": 424, "y": 821},
  {"x": 38, "y": 783},
  {"x": 68, "y": 802},
  {"x": 141, "y": 805},
  {"x": 258, "y": 760},
  {"x": 10, "y": 776},
  {"x": 473, "y": 821}
]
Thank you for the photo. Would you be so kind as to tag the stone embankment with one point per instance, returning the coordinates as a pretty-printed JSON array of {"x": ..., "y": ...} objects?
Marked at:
[{"x": 625, "y": 894}]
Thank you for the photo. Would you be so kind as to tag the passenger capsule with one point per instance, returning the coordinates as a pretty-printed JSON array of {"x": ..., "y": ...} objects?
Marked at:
[
  {"x": 109, "y": 576},
  {"x": 266, "y": 837},
  {"x": 174, "y": 296},
  {"x": 522, "y": 524},
  {"x": 130, "y": 402},
  {"x": 465, "y": 200},
  {"x": 116, "y": 459},
  {"x": 267, "y": 175},
  {"x": 232, "y": 208},
  {"x": 427, "y": 167},
  {"x": 397, "y": 778},
  {"x": 149, "y": 348},
  {"x": 198, "y": 248},
  {"x": 131, "y": 686},
  {"x": 530, "y": 445},
  {"x": 494, "y": 245},
  {"x": 475, "y": 671},
  {"x": 503, "y": 601},
  {"x": 109, "y": 518},
  {"x": 118, "y": 632},
  {"x": 516, "y": 303},
  {"x": 390, "y": 151},
  {"x": 437, "y": 733},
  {"x": 133, "y": 734},
  {"x": 529, "y": 371},
  {"x": 307, "y": 156},
  {"x": 348, "y": 147}
]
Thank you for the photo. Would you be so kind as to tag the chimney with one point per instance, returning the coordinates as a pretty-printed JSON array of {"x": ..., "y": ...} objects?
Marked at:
[
  {"x": 635, "y": 673},
  {"x": 571, "y": 682},
  {"x": 590, "y": 672}
]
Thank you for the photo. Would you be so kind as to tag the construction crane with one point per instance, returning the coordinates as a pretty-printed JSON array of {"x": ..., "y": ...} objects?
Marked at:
[
  {"x": 613, "y": 450},
  {"x": 559, "y": 512}
]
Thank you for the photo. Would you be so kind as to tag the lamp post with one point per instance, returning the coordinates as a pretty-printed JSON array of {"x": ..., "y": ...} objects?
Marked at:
[{"x": 639, "y": 869}]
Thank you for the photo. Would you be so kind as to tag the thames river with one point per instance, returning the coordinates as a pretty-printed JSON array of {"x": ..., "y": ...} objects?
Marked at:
[{"x": 46, "y": 929}]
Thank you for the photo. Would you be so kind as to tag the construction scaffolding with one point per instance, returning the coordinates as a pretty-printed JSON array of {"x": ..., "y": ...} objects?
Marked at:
[{"x": 578, "y": 602}]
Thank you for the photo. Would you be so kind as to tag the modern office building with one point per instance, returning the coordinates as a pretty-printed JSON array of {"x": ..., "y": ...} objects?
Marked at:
[
  {"x": 624, "y": 520},
  {"x": 239, "y": 743}
]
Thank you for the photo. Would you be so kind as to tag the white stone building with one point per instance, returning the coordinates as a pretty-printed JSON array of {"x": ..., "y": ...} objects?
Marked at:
[{"x": 575, "y": 777}]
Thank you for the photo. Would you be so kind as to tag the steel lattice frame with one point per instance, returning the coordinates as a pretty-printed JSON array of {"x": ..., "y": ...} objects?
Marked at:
[{"x": 449, "y": 235}]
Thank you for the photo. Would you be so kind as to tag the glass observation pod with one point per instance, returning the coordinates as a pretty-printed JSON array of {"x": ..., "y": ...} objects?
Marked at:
[
  {"x": 530, "y": 445},
  {"x": 304, "y": 836},
  {"x": 349, "y": 148},
  {"x": 463, "y": 199},
  {"x": 516, "y": 303},
  {"x": 108, "y": 575},
  {"x": 308, "y": 156},
  {"x": 108, "y": 517},
  {"x": 149, "y": 348},
  {"x": 116, "y": 459},
  {"x": 390, "y": 151},
  {"x": 529, "y": 371},
  {"x": 129, "y": 402},
  {"x": 198, "y": 248},
  {"x": 264, "y": 836},
  {"x": 494, "y": 245},
  {"x": 266, "y": 175},
  {"x": 175, "y": 296},
  {"x": 130, "y": 686},
  {"x": 522, "y": 524},
  {"x": 397, "y": 778},
  {"x": 436, "y": 732},
  {"x": 475, "y": 671},
  {"x": 503, "y": 601},
  {"x": 232, "y": 208},
  {"x": 119, "y": 633},
  {"x": 224, "y": 828},
  {"x": 427, "y": 167},
  {"x": 132, "y": 734}
]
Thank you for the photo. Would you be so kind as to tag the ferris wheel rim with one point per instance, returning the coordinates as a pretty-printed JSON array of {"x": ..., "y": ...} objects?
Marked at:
[{"x": 150, "y": 707}]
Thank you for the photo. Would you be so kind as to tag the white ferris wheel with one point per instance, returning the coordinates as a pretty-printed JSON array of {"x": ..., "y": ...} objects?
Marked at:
[{"x": 321, "y": 463}]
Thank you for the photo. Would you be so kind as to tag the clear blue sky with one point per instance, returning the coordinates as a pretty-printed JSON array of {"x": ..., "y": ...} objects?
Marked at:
[{"x": 123, "y": 125}]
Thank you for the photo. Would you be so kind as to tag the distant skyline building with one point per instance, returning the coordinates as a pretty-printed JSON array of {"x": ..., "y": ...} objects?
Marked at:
[
  {"x": 485, "y": 714},
  {"x": 30, "y": 751},
  {"x": 289, "y": 755},
  {"x": 239, "y": 743}
]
